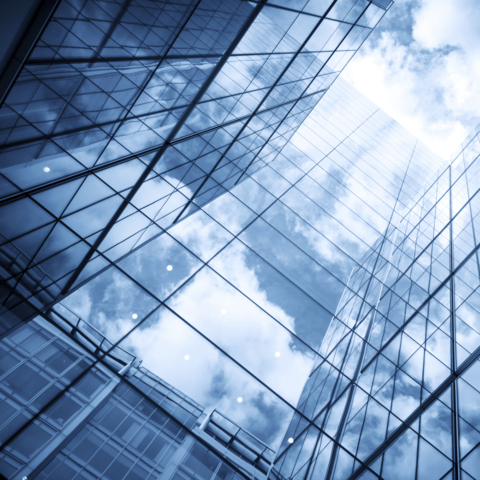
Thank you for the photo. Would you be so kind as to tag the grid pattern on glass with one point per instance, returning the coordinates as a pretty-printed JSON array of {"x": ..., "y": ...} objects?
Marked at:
[
  {"x": 127, "y": 435},
  {"x": 267, "y": 265},
  {"x": 310, "y": 203},
  {"x": 46, "y": 383},
  {"x": 409, "y": 409},
  {"x": 126, "y": 118}
]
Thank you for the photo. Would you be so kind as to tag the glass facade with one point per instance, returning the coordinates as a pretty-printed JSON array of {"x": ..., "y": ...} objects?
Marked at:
[
  {"x": 68, "y": 412},
  {"x": 206, "y": 273},
  {"x": 396, "y": 393},
  {"x": 128, "y": 115}
]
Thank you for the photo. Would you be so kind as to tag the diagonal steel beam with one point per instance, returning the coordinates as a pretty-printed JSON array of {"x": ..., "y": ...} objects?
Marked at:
[
  {"x": 30, "y": 39},
  {"x": 223, "y": 60}
]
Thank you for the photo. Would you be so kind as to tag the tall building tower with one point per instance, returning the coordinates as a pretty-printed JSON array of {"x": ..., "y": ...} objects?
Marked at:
[
  {"x": 207, "y": 275},
  {"x": 120, "y": 118},
  {"x": 396, "y": 394}
]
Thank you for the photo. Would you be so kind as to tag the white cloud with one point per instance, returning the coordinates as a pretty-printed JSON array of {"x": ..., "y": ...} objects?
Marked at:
[
  {"x": 222, "y": 314},
  {"x": 240, "y": 328},
  {"x": 421, "y": 67}
]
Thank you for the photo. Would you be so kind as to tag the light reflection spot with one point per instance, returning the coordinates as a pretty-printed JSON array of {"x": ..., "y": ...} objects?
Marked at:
[
  {"x": 46, "y": 169},
  {"x": 169, "y": 268},
  {"x": 290, "y": 440},
  {"x": 134, "y": 316},
  {"x": 187, "y": 357},
  {"x": 223, "y": 311},
  {"x": 239, "y": 399},
  {"x": 277, "y": 354}
]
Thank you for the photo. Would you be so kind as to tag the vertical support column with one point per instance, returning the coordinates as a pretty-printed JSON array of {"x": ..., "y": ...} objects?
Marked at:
[{"x": 453, "y": 348}]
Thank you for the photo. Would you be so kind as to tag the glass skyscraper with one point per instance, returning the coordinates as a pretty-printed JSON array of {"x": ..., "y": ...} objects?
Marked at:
[{"x": 208, "y": 273}]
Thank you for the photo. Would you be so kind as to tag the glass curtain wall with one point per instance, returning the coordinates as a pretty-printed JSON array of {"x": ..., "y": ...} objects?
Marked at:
[
  {"x": 397, "y": 394},
  {"x": 231, "y": 305},
  {"x": 87, "y": 419},
  {"x": 128, "y": 116}
]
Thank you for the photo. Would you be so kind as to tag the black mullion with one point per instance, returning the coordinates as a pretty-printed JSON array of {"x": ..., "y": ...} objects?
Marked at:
[
  {"x": 358, "y": 370},
  {"x": 99, "y": 59},
  {"x": 163, "y": 148},
  {"x": 113, "y": 25},
  {"x": 104, "y": 166},
  {"x": 472, "y": 223},
  {"x": 257, "y": 108},
  {"x": 453, "y": 345},
  {"x": 27, "y": 44}
]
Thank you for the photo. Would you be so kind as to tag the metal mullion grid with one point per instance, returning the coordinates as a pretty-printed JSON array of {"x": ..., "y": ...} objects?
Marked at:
[
  {"x": 105, "y": 166},
  {"x": 451, "y": 380},
  {"x": 55, "y": 378},
  {"x": 357, "y": 264},
  {"x": 254, "y": 13},
  {"x": 453, "y": 343},
  {"x": 115, "y": 21},
  {"x": 120, "y": 122},
  {"x": 295, "y": 186},
  {"x": 435, "y": 395},
  {"x": 96, "y": 55},
  {"x": 430, "y": 210},
  {"x": 358, "y": 370},
  {"x": 96, "y": 361},
  {"x": 440, "y": 286},
  {"x": 257, "y": 108},
  {"x": 19, "y": 277},
  {"x": 204, "y": 264},
  {"x": 144, "y": 289},
  {"x": 343, "y": 337},
  {"x": 332, "y": 402},
  {"x": 283, "y": 7},
  {"x": 161, "y": 59},
  {"x": 302, "y": 250},
  {"x": 124, "y": 445},
  {"x": 306, "y": 174},
  {"x": 58, "y": 220},
  {"x": 112, "y": 347},
  {"x": 62, "y": 133},
  {"x": 343, "y": 421},
  {"x": 304, "y": 91},
  {"x": 398, "y": 159},
  {"x": 100, "y": 360}
]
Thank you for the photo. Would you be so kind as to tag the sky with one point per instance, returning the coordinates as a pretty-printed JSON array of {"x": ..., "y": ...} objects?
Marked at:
[
  {"x": 420, "y": 65},
  {"x": 247, "y": 300}
]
